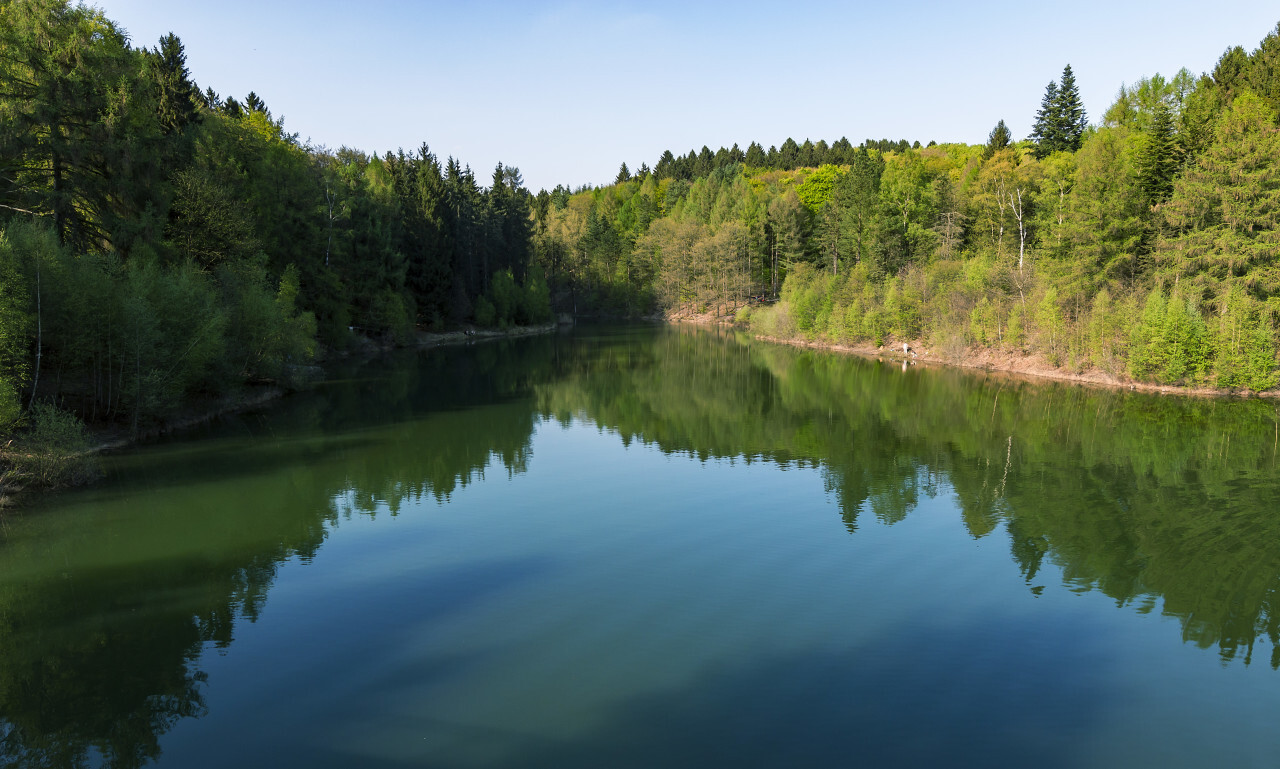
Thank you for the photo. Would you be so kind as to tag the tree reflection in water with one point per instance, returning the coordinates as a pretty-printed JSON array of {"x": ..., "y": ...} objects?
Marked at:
[{"x": 108, "y": 601}]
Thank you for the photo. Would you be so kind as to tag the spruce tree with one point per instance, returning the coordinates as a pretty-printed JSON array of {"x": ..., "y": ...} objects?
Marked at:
[
  {"x": 666, "y": 167},
  {"x": 1070, "y": 112},
  {"x": 624, "y": 175},
  {"x": 1158, "y": 161},
  {"x": 1045, "y": 131},
  {"x": 177, "y": 95},
  {"x": 997, "y": 140},
  {"x": 1061, "y": 120}
]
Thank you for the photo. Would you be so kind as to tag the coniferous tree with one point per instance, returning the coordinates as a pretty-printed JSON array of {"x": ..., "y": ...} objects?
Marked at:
[
  {"x": 254, "y": 103},
  {"x": 177, "y": 95},
  {"x": 1046, "y": 131},
  {"x": 1071, "y": 111},
  {"x": 666, "y": 167},
  {"x": 703, "y": 163},
  {"x": 1158, "y": 161},
  {"x": 997, "y": 140},
  {"x": 624, "y": 175},
  {"x": 1061, "y": 121},
  {"x": 788, "y": 154}
]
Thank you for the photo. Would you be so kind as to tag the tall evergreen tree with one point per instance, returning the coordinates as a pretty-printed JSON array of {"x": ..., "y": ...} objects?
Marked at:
[
  {"x": 177, "y": 95},
  {"x": 1071, "y": 111},
  {"x": 624, "y": 175},
  {"x": 666, "y": 167},
  {"x": 1157, "y": 162},
  {"x": 1046, "y": 131},
  {"x": 1061, "y": 121}
]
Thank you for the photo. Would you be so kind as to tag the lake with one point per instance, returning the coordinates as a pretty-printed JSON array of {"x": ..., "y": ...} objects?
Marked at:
[{"x": 646, "y": 546}]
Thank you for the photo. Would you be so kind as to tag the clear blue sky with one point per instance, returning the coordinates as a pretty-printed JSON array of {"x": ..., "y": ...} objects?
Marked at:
[{"x": 568, "y": 90}]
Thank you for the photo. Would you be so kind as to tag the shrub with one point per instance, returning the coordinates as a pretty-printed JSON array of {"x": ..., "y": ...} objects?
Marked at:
[{"x": 55, "y": 450}]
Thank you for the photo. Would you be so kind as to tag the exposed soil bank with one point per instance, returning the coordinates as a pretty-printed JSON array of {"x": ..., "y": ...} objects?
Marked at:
[{"x": 980, "y": 358}]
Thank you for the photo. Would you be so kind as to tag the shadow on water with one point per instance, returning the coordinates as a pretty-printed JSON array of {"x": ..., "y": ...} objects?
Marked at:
[{"x": 1163, "y": 504}]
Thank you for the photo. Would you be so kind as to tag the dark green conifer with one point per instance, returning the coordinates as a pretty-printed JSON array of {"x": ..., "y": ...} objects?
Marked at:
[
  {"x": 1158, "y": 161},
  {"x": 1071, "y": 111},
  {"x": 1045, "y": 132},
  {"x": 998, "y": 139}
]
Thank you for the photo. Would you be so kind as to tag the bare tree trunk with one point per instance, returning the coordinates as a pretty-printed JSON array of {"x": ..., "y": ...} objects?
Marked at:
[{"x": 1022, "y": 228}]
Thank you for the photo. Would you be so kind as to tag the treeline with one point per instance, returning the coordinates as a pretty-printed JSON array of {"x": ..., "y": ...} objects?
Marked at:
[
  {"x": 788, "y": 157},
  {"x": 159, "y": 242},
  {"x": 1144, "y": 245}
]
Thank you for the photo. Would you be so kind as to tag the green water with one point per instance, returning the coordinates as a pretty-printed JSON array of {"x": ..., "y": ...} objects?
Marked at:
[{"x": 640, "y": 547}]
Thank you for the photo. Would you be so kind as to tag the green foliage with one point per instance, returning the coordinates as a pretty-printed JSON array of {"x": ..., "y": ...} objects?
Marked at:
[
  {"x": 1224, "y": 213},
  {"x": 16, "y": 322},
  {"x": 997, "y": 140},
  {"x": 1244, "y": 344},
  {"x": 1061, "y": 122},
  {"x": 54, "y": 450},
  {"x": 486, "y": 315},
  {"x": 191, "y": 244},
  {"x": 817, "y": 187},
  {"x": 1050, "y": 326}
]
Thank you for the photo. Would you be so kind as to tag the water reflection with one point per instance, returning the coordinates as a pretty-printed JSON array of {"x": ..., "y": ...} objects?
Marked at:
[
  {"x": 1152, "y": 500},
  {"x": 108, "y": 598}
]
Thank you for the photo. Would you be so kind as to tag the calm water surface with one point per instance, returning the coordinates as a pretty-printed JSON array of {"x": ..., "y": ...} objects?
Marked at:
[{"x": 639, "y": 547}]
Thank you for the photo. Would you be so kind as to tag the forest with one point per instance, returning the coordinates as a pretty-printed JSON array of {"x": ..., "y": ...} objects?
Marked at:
[
  {"x": 1143, "y": 245},
  {"x": 162, "y": 244}
]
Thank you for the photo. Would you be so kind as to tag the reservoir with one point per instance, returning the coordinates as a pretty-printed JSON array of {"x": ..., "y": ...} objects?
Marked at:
[{"x": 643, "y": 546}]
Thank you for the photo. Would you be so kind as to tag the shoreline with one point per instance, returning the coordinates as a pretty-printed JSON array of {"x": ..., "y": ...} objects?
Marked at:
[
  {"x": 110, "y": 440},
  {"x": 986, "y": 360},
  {"x": 115, "y": 438}
]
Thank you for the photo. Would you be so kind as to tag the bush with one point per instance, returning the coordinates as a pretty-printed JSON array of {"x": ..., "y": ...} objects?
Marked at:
[
  {"x": 55, "y": 450},
  {"x": 485, "y": 313}
]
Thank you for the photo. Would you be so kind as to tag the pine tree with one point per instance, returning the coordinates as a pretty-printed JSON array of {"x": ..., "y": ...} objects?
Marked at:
[
  {"x": 1071, "y": 111},
  {"x": 1061, "y": 121},
  {"x": 666, "y": 167},
  {"x": 703, "y": 162},
  {"x": 1045, "y": 132},
  {"x": 787, "y": 155},
  {"x": 624, "y": 175},
  {"x": 997, "y": 140},
  {"x": 177, "y": 94},
  {"x": 1158, "y": 161}
]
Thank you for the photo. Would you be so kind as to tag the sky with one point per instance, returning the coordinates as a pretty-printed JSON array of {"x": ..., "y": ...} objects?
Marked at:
[{"x": 567, "y": 91}]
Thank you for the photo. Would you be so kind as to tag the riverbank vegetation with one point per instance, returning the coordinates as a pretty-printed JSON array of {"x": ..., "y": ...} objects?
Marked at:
[
  {"x": 161, "y": 244},
  {"x": 1144, "y": 245}
]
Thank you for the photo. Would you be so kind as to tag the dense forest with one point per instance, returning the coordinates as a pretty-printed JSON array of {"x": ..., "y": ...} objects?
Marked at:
[
  {"x": 1144, "y": 245},
  {"x": 161, "y": 243}
]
